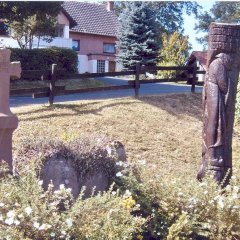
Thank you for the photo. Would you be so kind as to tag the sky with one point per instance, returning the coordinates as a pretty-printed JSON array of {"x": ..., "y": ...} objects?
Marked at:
[{"x": 190, "y": 21}]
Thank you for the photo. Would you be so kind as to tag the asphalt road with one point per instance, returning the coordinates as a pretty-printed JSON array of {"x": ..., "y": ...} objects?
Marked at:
[{"x": 145, "y": 89}]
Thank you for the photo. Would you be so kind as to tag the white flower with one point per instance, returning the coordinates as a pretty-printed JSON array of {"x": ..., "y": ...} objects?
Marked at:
[
  {"x": 138, "y": 205},
  {"x": 40, "y": 183},
  {"x": 52, "y": 234},
  {"x": 69, "y": 222},
  {"x": 236, "y": 189},
  {"x": 1, "y": 204},
  {"x": 9, "y": 221},
  {"x": 20, "y": 216},
  {"x": 36, "y": 225},
  {"x": 68, "y": 190},
  {"x": 128, "y": 193},
  {"x": 16, "y": 222},
  {"x": 221, "y": 202},
  {"x": 63, "y": 232},
  {"x": 120, "y": 163},
  {"x": 114, "y": 193},
  {"x": 119, "y": 174},
  {"x": 205, "y": 192},
  {"x": 28, "y": 210},
  {"x": 1, "y": 217},
  {"x": 42, "y": 227},
  {"x": 61, "y": 187},
  {"x": 11, "y": 214}
]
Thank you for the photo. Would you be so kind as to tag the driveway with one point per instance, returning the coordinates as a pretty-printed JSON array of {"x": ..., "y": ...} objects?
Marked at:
[{"x": 145, "y": 89}]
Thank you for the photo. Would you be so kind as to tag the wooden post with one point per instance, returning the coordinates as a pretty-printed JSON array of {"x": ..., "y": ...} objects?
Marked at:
[
  {"x": 137, "y": 77},
  {"x": 52, "y": 84},
  {"x": 220, "y": 89},
  {"x": 8, "y": 121},
  {"x": 194, "y": 76}
]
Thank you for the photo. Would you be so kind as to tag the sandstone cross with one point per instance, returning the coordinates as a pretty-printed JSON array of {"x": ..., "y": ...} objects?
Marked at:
[{"x": 8, "y": 121}]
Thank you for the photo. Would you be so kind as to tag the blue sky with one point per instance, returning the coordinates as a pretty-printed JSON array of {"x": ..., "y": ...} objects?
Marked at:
[{"x": 189, "y": 23}]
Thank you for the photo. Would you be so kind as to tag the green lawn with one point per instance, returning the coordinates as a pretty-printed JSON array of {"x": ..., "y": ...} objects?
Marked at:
[{"x": 69, "y": 83}]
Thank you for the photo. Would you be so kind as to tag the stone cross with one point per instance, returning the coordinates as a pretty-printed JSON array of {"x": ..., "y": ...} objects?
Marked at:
[
  {"x": 219, "y": 95},
  {"x": 8, "y": 121}
]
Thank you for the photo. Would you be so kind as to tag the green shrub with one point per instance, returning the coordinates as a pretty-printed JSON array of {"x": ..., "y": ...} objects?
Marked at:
[
  {"x": 27, "y": 212},
  {"x": 187, "y": 210},
  {"x": 43, "y": 58}
]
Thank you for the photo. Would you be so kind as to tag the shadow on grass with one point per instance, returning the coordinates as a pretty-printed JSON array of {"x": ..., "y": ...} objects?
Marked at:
[
  {"x": 178, "y": 104},
  {"x": 76, "y": 108}
]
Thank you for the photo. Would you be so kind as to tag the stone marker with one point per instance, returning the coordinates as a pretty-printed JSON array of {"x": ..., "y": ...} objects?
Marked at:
[
  {"x": 85, "y": 162},
  {"x": 60, "y": 171},
  {"x": 219, "y": 95},
  {"x": 8, "y": 121}
]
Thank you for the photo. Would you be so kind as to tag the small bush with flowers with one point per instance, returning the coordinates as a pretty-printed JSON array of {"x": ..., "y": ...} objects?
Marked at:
[
  {"x": 193, "y": 210},
  {"x": 28, "y": 212}
]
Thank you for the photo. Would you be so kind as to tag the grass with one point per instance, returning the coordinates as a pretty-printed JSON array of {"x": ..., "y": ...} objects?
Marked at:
[
  {"x": 69, "y": 83},
  {"x": 165, "y": 131}
]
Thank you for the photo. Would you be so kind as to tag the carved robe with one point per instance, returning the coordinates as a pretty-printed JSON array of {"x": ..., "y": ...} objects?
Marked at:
[{"x": 215, "y": 99}]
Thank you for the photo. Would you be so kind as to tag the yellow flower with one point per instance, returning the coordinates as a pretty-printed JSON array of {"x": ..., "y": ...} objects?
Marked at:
[
  {"x": 139, "y": 237},
  {"x": 129, "y": 203}
]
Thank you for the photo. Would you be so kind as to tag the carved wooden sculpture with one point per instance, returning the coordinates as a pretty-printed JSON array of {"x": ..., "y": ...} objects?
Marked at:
[{"x": 219, "y": 95}]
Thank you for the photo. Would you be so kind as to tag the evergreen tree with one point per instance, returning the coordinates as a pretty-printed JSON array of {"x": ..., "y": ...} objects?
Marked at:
[{"x": 137, "y": 35}]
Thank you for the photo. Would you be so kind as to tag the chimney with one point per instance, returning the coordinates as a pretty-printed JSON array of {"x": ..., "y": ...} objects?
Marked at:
[{"x": 110, "y": 5}]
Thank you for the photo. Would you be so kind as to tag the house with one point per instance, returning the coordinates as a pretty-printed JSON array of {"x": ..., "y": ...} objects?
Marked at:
[
  {"x": 198, "y": 59},
  {"x": 90, "y": 29},
  {"x": 94, "y": 36}
]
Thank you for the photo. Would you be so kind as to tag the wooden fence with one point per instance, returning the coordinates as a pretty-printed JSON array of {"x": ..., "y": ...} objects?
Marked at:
[{"x": 54, "y": 74}]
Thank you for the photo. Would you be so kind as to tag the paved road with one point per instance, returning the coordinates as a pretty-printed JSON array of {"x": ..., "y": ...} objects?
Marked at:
[{"x": 146, "y": 89}]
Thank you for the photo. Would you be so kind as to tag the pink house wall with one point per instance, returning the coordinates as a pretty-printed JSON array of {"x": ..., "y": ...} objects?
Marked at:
[{"x": 90, "y": 43}]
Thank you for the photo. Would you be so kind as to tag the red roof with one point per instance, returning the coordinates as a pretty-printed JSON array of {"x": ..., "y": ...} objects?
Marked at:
[
  {"x": 201, "y": 56},
  {"x": 92, "y": 18}
]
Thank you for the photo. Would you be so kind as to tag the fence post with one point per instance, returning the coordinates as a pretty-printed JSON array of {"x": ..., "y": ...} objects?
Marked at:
[
  {"x": 137, "y": 77},
  {"x": 52, "y": 84},
  {"x": 194, "y": 76}
]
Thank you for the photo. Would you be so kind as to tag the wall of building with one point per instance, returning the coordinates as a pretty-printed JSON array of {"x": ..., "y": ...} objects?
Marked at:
[{"x": 90, "y": 43}]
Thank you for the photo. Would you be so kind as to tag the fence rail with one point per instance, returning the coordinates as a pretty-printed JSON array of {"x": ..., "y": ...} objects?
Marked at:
[{"x": 54, "y": 75}]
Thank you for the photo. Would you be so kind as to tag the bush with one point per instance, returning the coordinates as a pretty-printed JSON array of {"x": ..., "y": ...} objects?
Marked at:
[
  {"x": 187, "y": 210},
  {"x": 42, "y": 59},
  {"x": 28, "y": 212}
]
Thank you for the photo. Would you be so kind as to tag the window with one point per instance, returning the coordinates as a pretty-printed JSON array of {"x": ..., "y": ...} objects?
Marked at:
[
  {"x": 100, "y": 66},
  {"x": 109, "y": 48},
  {"x": 76, "y": 45},
  {"x": 60, "y": 30}
]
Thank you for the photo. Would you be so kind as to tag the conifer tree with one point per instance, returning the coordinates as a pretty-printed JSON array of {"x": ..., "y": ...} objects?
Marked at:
[{"x": 137, "y": 35}]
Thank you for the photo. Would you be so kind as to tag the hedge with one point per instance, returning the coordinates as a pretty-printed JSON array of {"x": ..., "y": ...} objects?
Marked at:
[{"x": 43, "y": 58}]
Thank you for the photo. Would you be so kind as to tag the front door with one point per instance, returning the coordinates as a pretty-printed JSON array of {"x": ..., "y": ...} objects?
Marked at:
[{"x": 112, "y": 66}]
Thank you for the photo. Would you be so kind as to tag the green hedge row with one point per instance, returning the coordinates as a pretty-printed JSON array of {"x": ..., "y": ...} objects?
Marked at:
[{"x": 43, "y": 58}]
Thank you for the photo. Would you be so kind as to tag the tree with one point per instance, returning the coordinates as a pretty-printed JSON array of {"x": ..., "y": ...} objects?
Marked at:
[
  {"x": 137, "y": 35},
  {"x": 225, "y": 12},
  {"x": 174, "y": 52},
  {"x": 27, "y": 20},
  {"x": 168, "y": 14}
]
